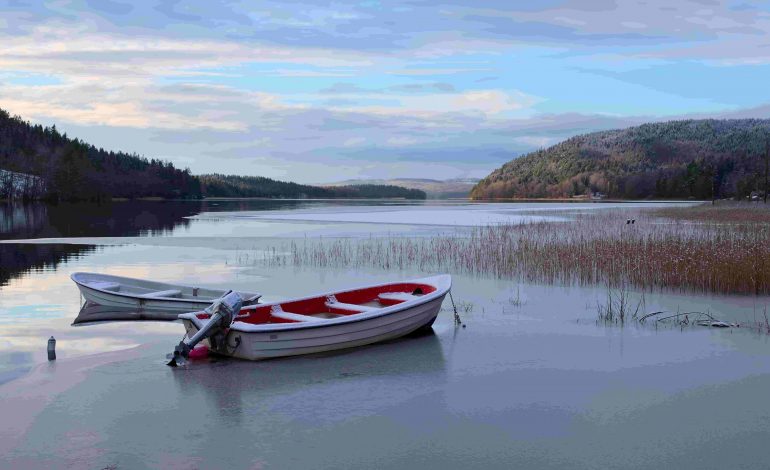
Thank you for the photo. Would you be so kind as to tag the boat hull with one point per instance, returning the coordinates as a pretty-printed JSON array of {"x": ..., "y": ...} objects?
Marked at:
[
  {"x": 112, "y": 300},
  {"x": 132, "y": 293},
  {"x": 319, "y": 337}
]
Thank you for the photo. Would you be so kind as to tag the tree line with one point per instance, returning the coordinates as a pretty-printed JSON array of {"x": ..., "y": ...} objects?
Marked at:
[
  {"x": 217, "y": 185},
  {"x": 697, "y": 159},
  {"x": 71, "y": 169},
  {"x": 40, "y": 163}
]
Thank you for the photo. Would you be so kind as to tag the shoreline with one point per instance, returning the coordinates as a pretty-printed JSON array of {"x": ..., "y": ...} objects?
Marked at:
[
  {"x": 394, "y": 199},
  {"x": 217, "y": 198},
  {"x": 595, "y": 201}
]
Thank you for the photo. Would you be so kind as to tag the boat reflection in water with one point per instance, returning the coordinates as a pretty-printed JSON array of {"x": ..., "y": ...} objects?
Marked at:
[
  {"x": 236, "y": 388},
  {"x": 92, "y": 313}
]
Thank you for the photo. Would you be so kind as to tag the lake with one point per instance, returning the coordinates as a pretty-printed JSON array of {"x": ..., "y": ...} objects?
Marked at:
[{"x": 533, "y": 381}]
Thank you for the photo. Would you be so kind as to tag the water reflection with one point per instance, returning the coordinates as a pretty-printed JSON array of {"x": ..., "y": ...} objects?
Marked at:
[
  {"x": 91, "y": 313},
  {"x": 132, "y": 218},
  {"x": 117, "y": 219},
  {"x": 19, "y": 259},
  {"x": 234, "y": 385},
  {"x": 22, "y": 220},
  {"x": 37, "y": 220}
]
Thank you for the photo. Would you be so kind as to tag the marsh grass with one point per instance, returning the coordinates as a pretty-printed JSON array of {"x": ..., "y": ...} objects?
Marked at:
[
  {"x": 462, "y": 307},
  {"x": 595, "y": 248},
  {"x": 759, "y": 325},
  {"x": 619, "y": 306},
  {"x": 732, "y": 212},
  {"x": 516, "y": 300}
]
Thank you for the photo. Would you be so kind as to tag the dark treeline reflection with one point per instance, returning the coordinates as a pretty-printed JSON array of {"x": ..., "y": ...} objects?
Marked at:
[
  {"x": 116, "y": 219},
  {"x": 37, "y": 220},
  {"x": 132, "y": 218},
  {"x": 19, "y": 259}
]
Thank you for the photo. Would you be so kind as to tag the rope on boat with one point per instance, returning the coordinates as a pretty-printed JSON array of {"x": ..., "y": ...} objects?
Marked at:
[{"x": 457, "y": 315}]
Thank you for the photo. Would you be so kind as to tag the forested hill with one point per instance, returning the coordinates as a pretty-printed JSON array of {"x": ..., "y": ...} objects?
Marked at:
[
  {"x": 676, "y": 159},
  {"x": 39, "y": 162},
  {"x": 256, "y": 186},
  {"x": 435, "y": 189},
  {"x": 70, "y": 169}
]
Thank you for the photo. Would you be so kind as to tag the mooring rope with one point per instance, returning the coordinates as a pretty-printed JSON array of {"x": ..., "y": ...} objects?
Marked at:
[{"x": 454, "y": 307}]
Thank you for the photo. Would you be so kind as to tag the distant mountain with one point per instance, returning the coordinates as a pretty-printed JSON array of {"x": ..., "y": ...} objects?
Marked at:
[
  {"x": 676, "y": 159},
  {"x": 435, "y": 189},
  {"x": 40, "y": 162},
  {"x": 216, "y": 185}
]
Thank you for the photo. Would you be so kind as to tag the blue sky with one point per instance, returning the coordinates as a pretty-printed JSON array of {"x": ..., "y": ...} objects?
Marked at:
[{"x": 325, "y": 91}]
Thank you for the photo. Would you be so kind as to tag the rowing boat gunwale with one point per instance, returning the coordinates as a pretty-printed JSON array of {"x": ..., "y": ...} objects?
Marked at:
[
  {"x": 442, "y": 283},
  {"x": 79, "y": 278}
]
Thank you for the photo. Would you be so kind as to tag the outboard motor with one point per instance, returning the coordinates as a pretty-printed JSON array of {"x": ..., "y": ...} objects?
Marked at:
[{"x": 223, "y": 311}]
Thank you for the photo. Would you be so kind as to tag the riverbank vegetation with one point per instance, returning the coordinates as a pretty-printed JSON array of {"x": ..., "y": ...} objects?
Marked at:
[
  {"x": 720, "y": 212},
  {"x": 666, "y": 251}
]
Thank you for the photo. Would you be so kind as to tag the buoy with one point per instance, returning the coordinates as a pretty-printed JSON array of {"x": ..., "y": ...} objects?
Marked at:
[
  {"x": 51, "y": 349},
  {"x": 199, "y": 352}
]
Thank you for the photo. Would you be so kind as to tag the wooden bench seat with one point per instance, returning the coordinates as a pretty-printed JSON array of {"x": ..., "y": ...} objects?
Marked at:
[
  {"x": 332, "y": 302},
  {"x": 103, "y": 285},
  {"x": 278, "y": 312},
  {"x": 397, "y": 296},
  {"x": 162, "y": 294}
]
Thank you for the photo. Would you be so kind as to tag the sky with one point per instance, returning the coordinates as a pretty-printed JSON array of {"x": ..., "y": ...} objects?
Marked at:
[{"x": 318, "y": 92}]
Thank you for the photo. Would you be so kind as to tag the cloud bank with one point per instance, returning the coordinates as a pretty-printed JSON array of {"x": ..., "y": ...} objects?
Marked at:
[{"x": 319, "y": 92}]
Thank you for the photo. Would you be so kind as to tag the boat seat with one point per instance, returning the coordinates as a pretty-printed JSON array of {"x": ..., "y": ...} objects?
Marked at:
[
  {"x": 163, "y": 294},
  {"x": 397, "y": 296},
  {"x": 278, "y": 312},
  {"x": 332, "y": 302},
  {"x": 104, "y": 285}
]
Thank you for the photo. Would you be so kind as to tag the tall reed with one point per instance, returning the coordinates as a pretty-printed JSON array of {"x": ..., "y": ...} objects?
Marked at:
[{"x": 599, "y": 247}]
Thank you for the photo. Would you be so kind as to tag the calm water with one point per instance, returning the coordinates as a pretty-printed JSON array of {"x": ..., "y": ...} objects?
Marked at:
[{"x": 532, "y": 382}]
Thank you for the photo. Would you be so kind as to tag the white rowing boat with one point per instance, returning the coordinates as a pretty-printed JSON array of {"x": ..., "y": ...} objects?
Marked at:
[
  {"x": 118, "y": 291},
  {"x": 318, "y": 323}
]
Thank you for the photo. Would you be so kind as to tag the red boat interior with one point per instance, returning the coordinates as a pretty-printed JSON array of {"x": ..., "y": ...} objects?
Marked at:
[{"x": 332, "y": 305}]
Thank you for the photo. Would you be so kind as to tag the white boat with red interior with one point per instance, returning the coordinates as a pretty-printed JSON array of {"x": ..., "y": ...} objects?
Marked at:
[{"x": 317, "y": 323}]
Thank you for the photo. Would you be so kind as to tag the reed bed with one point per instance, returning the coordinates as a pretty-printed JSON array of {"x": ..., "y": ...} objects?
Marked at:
[
  {"x": 733, "y": 212},
  {"x": 594, "y": 248}
]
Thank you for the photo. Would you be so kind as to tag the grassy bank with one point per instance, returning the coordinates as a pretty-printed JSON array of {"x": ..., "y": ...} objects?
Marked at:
[{"x": 663, "y": 249}]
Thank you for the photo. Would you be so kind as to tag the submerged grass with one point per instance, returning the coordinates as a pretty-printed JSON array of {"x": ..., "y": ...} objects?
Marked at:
[{"x": 658, "y": 251}]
